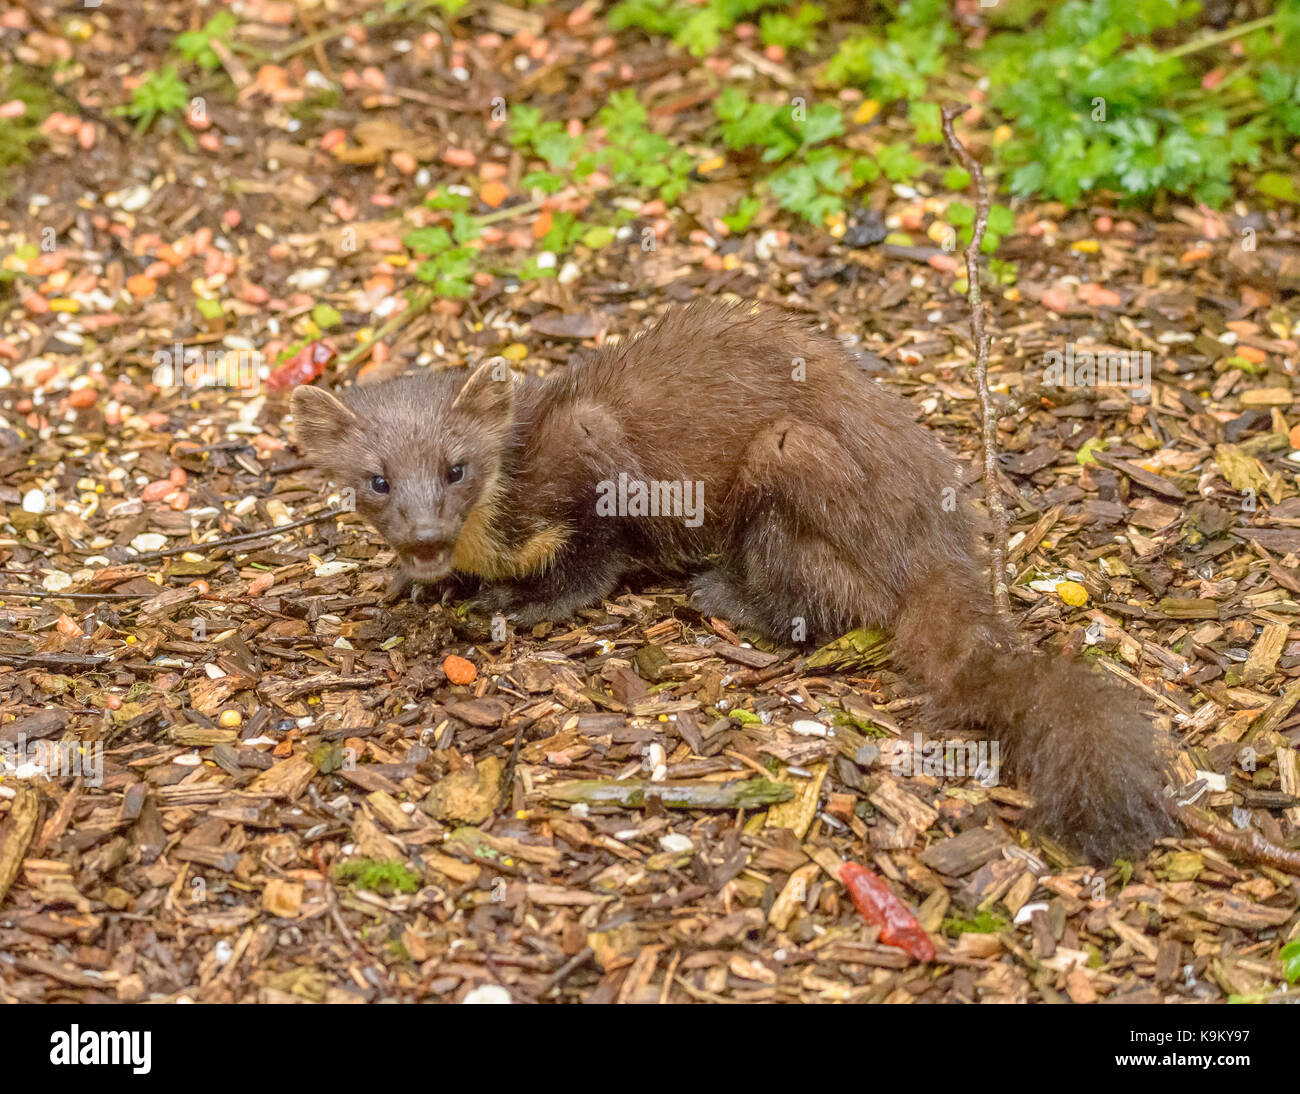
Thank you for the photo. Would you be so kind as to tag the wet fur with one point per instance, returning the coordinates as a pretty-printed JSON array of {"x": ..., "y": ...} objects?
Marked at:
[{"x": 824, "y": 510}]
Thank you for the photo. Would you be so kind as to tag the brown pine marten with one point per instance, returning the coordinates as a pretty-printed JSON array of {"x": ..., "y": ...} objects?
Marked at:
[{"x": 736, "y": 445}]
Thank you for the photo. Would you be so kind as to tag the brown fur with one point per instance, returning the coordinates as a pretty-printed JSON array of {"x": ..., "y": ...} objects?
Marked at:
[{"x": 826, "y": 507}]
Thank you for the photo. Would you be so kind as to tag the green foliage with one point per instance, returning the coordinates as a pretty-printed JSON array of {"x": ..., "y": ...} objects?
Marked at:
[
  {"x": 546, "y": 139},
  {"x": 743, "y": 216},
  {"x": 546, "y": 181},
  {"x": 566, "y": 230},
  {"x": 898, "y": 65},
  {"x": 813, "y": 188},
  {"x": 446, "y": 267},
  {"x": 956, "y": 178},
  {"x": 1280, "y": 91},
  {"x": 898, "y": 163},
  {"x": 1002, "y": 221},
  {"x": 779, "y": 129},
  {"x": 381, "y": 877},
  {"x": 788, "y": 30},
  {"x": 697, "y": 28},
  {"x": 1096, "y": 106},
  {"x": 928, "y": 121},
  {"x": 161, "y": 93},
  {"x": 196, "y": 45},
  {"x": 633, "y": 154},
  {"x": 1097, "y": 96},
  {"x": 17, "y": 135},
  {"x": 1291, "y": 960},
  {"x": 448, "y": 264}
]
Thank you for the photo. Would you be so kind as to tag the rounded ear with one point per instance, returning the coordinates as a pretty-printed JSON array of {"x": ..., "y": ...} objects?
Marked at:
[
  {"x": 489, "y": 394},
  {"x": 319, "y": 420}
]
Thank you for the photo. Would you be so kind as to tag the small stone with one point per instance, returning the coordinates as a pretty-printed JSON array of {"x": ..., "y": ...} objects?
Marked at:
[
  {"x": 132, "y": 199},
  {"x": 56, "y": 581},
  {"x": 309, "y": 279},
  {"x": 487, "y": 993},
  {"x": 148, "y": 541}
]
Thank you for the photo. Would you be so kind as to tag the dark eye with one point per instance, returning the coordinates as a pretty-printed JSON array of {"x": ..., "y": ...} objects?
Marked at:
[
  {"x": 455, "y": 472},
  {"x": 379, "y": 484}
]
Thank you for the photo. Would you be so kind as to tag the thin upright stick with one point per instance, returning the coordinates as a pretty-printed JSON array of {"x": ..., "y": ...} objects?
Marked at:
[{"x": 988, "y": 412}]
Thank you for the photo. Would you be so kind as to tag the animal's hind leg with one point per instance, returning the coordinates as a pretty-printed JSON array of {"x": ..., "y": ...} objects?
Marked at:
[{"x": 794, "y": 567}]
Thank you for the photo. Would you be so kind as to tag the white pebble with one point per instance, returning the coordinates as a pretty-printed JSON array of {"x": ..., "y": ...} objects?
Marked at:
[
  {"x": 487, "y": 993},
  {"x": 56, "y": 581},
  {"x": 149, "y": 541},
  {"x": 309, "y": 279}
]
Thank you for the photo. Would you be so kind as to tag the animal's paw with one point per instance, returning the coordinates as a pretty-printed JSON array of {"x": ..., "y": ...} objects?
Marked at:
[
  {"x": 399, "y": 587},
  {"x": 714, "y": 593},
  {"x": 521, "y": 606},
  {"x": 494, "y": 600}
]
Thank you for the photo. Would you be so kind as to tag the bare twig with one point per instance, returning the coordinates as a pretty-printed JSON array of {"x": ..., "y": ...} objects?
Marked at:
[
  {"x": 41, "y": 594},
  {"x": 1249, "y": 845},
  {"x": 242, "y": 538},
  {"x": 420, "y": 303},
  {"x": 988, "y": 413}
]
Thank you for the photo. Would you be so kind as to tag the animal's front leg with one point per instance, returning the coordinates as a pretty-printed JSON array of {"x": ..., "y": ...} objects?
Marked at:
[
  {"x": 401, "y": 586},
  {"x": 570, "y": 583}
]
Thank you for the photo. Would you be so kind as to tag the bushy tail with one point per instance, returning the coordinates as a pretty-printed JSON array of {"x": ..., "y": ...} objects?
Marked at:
[{"x": 1091, "y": 758}]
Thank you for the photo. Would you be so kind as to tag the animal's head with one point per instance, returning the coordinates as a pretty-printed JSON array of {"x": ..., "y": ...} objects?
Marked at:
[{"x": 420, "y": 454}]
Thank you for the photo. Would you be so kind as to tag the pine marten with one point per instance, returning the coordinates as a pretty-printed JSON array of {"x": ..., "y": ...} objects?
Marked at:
[{"x": 800, "y": 495}]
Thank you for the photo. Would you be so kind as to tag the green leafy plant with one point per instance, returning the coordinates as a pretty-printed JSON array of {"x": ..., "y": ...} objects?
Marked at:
[
  {"x": 815, "y": 187},
  {"x": 1096, "y": 106},
  {"x": 162, "y": 92},
  {"x": 196, "y": 45},
  {"x": 634, "y": 155},
  {"x": 697, "y": 28},
  {"x": 898, "y": 163},
  {"x": 1002, "y": 221},
  {"x": 17, "y": 135},
  {"x": 446, "y": 266},
  {"x": 791, "y": 30},
  {"x": 546, "y": 139},
  {"x": 1291, "y": 960},
  {"x": 779, "y": 129},
  {"x": 743, "y": 215},
  {"x": 899, "y": 64}
]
